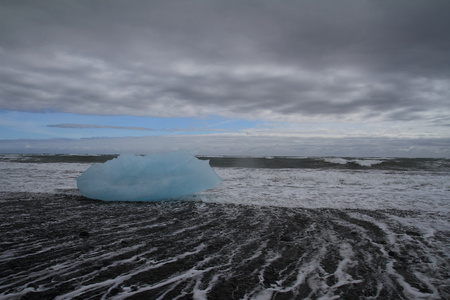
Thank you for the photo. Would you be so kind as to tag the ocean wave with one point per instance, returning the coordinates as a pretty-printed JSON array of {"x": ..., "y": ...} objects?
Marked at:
[
  {"x": 272, "y": 162},
  {"x": 360, "y": 162}
]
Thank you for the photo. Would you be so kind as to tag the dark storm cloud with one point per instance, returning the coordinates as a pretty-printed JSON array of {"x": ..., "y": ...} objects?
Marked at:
[{"x": 378, "y": 59}]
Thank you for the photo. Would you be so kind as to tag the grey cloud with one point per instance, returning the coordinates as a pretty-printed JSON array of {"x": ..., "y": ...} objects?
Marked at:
[{"x": 388, "y": 59}]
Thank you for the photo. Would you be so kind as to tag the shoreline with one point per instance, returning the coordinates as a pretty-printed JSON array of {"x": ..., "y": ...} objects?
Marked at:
[{"x": 69, "y": 246}]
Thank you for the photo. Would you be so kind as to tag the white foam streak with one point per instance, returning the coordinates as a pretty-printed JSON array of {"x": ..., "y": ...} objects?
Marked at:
[
  {"x": 190, "y": 274},
  {"x": 113, "y": 283},
  {"x": 408, "y": 290},
  {"x": 202, "y": 294}
]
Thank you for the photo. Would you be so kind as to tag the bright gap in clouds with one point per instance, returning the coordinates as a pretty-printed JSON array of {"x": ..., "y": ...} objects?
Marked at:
[
  {"x": 24, "y": 125},
  {"x": 22, "y": 132}
]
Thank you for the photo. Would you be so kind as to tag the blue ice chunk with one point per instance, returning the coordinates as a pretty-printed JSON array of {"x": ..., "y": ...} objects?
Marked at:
[{"x": 147, "y": 178}]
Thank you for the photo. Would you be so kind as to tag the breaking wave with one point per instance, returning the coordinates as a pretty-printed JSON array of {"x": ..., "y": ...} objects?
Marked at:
[{"x": 361, "y": 162}]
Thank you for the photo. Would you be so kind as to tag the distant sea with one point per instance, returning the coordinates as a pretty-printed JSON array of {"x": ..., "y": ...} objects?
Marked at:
[{"x": 275, "y": 228}]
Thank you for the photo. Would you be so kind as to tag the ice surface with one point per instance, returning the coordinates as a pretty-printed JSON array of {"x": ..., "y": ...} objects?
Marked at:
[{"x": 147, "y": 178}]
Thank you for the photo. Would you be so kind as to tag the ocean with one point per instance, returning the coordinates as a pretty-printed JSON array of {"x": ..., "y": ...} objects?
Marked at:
[{"x": 275, "y": 228}]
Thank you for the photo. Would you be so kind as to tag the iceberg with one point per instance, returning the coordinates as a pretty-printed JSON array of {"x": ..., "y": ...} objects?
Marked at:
[{"x": 147, "y": 178}]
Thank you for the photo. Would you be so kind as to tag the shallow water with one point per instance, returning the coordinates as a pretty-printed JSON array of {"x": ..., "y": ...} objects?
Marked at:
[
  {"x": 355, "y": 189},
  {"x": 66, "y": 246}
]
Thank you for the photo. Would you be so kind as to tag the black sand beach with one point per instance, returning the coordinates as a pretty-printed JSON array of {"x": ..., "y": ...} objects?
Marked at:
[{"x": 70, "y": 247}]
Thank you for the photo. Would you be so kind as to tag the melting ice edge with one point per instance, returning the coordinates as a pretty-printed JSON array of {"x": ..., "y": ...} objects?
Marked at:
[{"x": 147, "y": 178}]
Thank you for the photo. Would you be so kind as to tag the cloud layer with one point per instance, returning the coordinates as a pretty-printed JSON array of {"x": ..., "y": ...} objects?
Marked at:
[
  {"x": 271, "y": 60},
  {"x": 84, "y": 126}
]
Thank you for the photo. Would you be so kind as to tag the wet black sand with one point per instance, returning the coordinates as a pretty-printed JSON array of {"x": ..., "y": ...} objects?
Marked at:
[{"x": 70, "y": 247}]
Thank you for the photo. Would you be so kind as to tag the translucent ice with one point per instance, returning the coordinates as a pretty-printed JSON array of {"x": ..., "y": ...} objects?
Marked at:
[{"x": 147, "y": 178}]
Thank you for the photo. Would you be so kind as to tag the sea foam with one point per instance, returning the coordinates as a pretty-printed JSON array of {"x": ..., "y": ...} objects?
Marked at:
[{"x": 147, "y": 178}]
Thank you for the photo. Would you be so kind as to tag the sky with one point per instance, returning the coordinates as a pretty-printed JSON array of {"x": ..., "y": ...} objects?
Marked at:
[{"x": 226, "y": 77}]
